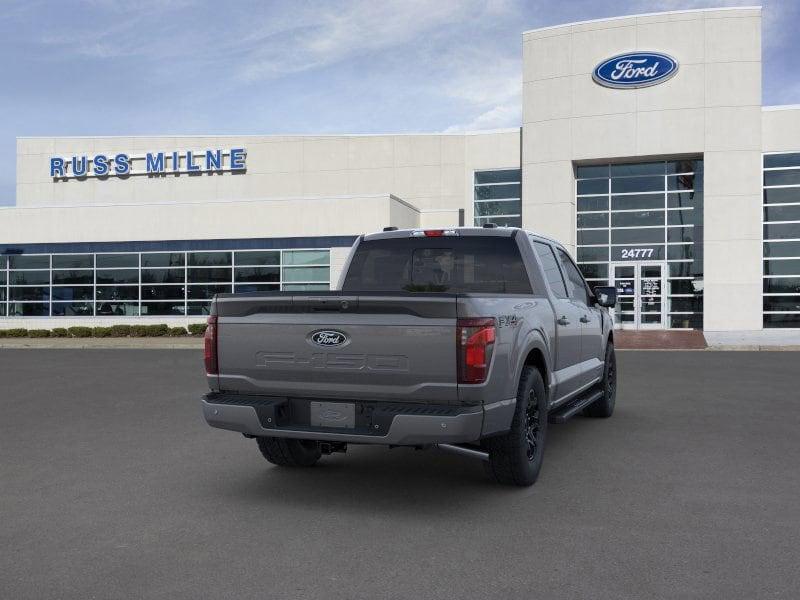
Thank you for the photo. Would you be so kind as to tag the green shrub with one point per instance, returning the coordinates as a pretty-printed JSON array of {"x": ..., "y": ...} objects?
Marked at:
[
  {"x": 157, "y": 330},
  {"x": 176, "y": 331},
  {"x": 2, "y": 333},
  {"x": 38, "y": 333},
  {"x": 101, "y": 332},
  {"x": 59, "y": 332},
  {"x": 138, "y": 330},
  {"x": 197, "y": 328},
  {"x": 80, "y": 332},
  {"x": 16, "y": 332},
  {"x": 120, "y": 330}
]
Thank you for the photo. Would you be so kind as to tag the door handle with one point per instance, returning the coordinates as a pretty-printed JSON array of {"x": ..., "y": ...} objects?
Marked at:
[
  {"x": 585, "y": 319},
  {"x": 563, "y": 320}
]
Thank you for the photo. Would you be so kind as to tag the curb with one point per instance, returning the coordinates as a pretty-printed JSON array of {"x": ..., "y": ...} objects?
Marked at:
[{"x": 103, "y": 343}]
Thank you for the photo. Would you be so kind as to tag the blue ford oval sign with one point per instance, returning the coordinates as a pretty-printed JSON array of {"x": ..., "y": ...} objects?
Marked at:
[{"x": 635, "y": 70}]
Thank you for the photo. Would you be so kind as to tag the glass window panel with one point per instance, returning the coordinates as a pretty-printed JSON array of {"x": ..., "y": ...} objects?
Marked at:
[
  {"x": 592, "y": 236},
  {"x": 492, "y": 192},
  {"x": 682, "y": 217},
  {"x": 592, "y": 186},
  {"x": 694, "y": 304},
  {"x": 242, "y": 288},
  {"x": 588, "y": 254},
  {"x": 682, "y": 269},
  {"x": 2, "y": 277},
  {"x": 637, "y": 236},
  {"x": 790, "y": 177},
  {"x": 73, "y": 309},
  {"x": 684, "y": 166},
  {"x": 782, "y": 249},
  {"x": 73, "y": 261},
  {"x": 577, "y": 286},
  {"x": 28, "y": 261},
  {"x": 117, "y": 309},
  {"x": 256, "y": 258},
  {"x": 207, "y": 292},
  {"x": 489, "y": 209},
  {"x": 500, "y": 221},
  {"x": 306, "y": 257},
  {"x": 782, "y": 303},
  {"x": 29, "y": 293},
  {"x": 686, "y": 321},
  {"x": 198, "y": 308},
  {"x": 774, "y": 321},
  {"x": 682, "y": 182},
  {"x": 678, "y": 252},
  {"x": 782, "y": 267},
  {"x": 782, "y": 231},
  {"x": 29, "y": 277},
  {"x": 307, "y": 287},
  {"x": 244, "y": 274},
  {"x": 649, "y": 168},
  {"x": 28, "y": 309},
  {"x": 2, "y": 309},
  {"x": 782, "y": 195},
  {"x": 73, "y": 293},
  {"x": 637, "y": 219},
  {"x": 162, "y": 309},
  {"x": 2, "y": 294},
  {"x": 782, "y": 213},
  {"x": 680, "y": 234},
  {"x": 782, "y": 160},
  {"x": 117, "y": 292},
  {"x": 588, "y": 171},
  {"x": 638, "y": 252},
  {"x": 782, "y": 285},
  {"x": 209, "y": 259},
  {"x": 594, "y": 271},
  {"x": 592, "y": 203},
  {"x": 637, "y": 202},
  {"x": 684, "y": 199},
  {"x": 593, "y": 220},
  {"x": 683, "y": 286},
  {"x": 306, "y": 274},
  {"x": 73, "y": 277},
  {"x": 117, "y": 261},
  {"x": 117, "y": 276},
  {"x": 163, "y": 259},
  {"x": 222, "y": 275},
  {"x": 163, "y": 275},
  {"x": 498, "y": 176},
  {"x": 162, "y": 292},
  {"x": 636, "y": 184},
  {"x": 552, "y": 272}
]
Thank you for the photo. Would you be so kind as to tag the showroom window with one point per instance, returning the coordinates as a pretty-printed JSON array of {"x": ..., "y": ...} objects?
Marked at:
[
  {"x": 649, "y": 213},
  {"x": 129, "y": 284},
  {"x": 781, "y": 300},
  {"x": 498, "y": 196}
]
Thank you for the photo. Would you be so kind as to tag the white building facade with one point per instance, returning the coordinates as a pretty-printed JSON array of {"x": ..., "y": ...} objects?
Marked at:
[{"x": 661, "y": 171}]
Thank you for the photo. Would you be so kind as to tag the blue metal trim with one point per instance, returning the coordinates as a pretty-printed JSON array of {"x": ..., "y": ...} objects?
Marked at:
[{"x": 340, "y": 241}]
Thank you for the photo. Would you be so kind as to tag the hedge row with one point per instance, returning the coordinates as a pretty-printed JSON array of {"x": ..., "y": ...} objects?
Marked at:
[{"x": 103, "y": 332}]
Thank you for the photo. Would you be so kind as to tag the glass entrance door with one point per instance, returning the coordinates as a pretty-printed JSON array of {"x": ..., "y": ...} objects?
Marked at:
[{"x": 640, "y": 288}]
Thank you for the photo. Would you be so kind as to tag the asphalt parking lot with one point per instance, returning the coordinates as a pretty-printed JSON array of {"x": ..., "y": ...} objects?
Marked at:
[{"x": 112, "y": 486}]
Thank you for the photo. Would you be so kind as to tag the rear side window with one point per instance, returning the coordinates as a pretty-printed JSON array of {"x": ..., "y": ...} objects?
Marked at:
[
  {"x": 551, "y": 271},
  {"x": 447, "y": 264}
]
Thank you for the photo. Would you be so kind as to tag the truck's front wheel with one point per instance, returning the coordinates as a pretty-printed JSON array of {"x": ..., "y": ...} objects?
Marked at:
[
  {"x": 516, "y": 457},
  {"x": 288, "y": 452}
]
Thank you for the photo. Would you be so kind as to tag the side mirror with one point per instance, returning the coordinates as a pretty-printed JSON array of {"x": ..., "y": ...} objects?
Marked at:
[{"x": 605, "y": 296}]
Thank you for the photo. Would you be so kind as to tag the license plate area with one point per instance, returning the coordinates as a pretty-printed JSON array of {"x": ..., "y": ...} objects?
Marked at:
[{"x": 341, "y": 415}]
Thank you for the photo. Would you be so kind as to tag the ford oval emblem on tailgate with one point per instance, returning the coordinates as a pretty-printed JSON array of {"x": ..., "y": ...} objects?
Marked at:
[{"x": 328, "y": 338}]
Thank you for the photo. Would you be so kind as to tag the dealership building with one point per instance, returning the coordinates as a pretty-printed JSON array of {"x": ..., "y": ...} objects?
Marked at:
[{"x": 644, "y": 148}]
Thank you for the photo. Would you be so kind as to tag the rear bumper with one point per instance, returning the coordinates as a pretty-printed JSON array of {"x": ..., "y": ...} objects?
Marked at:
[{"x": 392, "y": 424}]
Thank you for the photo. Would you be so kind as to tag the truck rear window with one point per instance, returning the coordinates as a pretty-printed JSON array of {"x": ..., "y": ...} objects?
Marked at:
[{"x": 447, "y": 264}]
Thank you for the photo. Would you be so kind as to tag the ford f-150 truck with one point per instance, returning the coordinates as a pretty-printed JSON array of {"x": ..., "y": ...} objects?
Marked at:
[{"x": 469, "y": 339}]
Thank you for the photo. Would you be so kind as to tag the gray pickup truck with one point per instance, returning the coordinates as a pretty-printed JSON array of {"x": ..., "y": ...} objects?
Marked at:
[{"x": 468, "y": 339}]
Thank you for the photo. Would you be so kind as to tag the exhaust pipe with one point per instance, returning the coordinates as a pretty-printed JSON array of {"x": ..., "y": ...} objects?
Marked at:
[{"x": 464, "y": 451}]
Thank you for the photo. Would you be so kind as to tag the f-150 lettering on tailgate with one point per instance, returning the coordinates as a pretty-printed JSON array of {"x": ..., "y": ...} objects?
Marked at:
[{"x": 324, "y": 360}]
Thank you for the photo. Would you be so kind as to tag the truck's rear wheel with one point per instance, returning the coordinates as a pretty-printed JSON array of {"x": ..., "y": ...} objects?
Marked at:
[
  {"x": 604, "y": 407},
  {"x": 289, "y": 452},
  {"x": 516, "y": 457}
]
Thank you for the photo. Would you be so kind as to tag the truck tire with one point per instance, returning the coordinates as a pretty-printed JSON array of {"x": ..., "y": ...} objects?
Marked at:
[
  {"x": 516, "y": 457},
  {"x": 288, "y": 452},
  {"x": 604, "y": 407}
]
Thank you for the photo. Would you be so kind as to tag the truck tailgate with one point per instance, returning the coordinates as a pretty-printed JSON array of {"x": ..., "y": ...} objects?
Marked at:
[{"x": 364, "y": 347}]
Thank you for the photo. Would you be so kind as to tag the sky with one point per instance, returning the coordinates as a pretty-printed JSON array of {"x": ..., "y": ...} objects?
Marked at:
[{"x": 155, "y": 67}]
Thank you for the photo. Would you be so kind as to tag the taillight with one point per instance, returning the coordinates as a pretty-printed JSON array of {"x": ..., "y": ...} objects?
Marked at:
[
  {"x": 475, "y": 339},
  {"x": 210, "y": 346},
  {"x": 434, "y": 233}
]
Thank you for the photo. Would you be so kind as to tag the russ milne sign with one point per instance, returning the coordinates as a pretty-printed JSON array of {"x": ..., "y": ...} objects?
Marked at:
[
  {"x": 635, "y": 70},
  {"x": 151, "y": 163}
]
